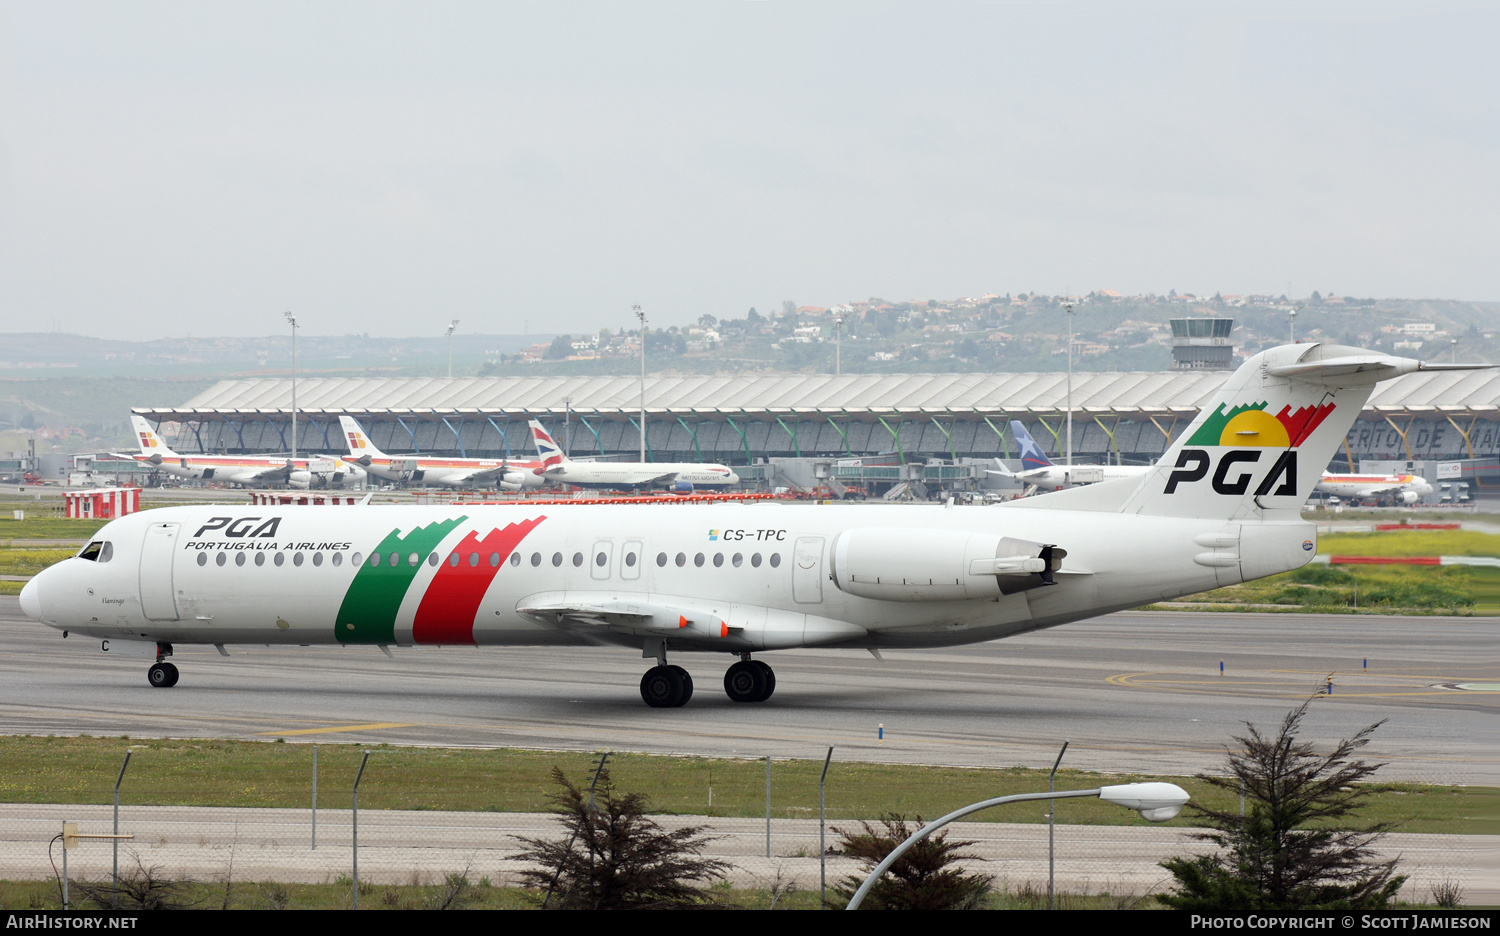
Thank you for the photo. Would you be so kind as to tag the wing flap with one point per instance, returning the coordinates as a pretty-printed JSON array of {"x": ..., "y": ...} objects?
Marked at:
[{"x": 634, "y": 615}]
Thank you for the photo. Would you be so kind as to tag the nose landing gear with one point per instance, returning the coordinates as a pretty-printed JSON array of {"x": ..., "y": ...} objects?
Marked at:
[{"x": 162, "y": 675}]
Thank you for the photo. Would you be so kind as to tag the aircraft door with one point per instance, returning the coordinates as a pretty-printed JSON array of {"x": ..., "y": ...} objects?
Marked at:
[
  {"x": 630, "y": 560},
  {"x": 600, "y": 559},
  {"x": 807, "y": 570},
  {"x": 158, "y": 555}
]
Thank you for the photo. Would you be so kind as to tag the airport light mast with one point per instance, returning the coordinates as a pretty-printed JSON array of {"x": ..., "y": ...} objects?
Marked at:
[
  {"x": 292, "y": 320},
  {"x": 1068, "y": 307},
  {"x": 641, "y": 314},
  {"x": 451, "y": 325},
  {"x": 838, "y": 347}
]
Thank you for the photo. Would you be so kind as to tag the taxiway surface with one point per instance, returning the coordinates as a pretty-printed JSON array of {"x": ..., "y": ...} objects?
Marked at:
[{"x": 1137, "y": 691}]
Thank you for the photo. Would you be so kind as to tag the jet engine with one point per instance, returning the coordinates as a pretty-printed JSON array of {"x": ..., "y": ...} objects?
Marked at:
[
  {"x": 680, "y": 487},
  {"x": 898, "y": 564},
  {"x": 300, "y": 479},
  {"x": 1408, "y": 497}
]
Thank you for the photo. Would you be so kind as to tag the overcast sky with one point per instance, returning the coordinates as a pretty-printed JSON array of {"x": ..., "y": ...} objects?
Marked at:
[{"x": 200, "y": 167}]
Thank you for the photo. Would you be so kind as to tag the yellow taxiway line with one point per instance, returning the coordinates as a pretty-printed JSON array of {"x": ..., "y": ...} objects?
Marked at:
[{"x": 342, "y": 728}]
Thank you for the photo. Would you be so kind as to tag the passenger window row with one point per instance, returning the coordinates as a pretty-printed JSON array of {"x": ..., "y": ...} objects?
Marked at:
[
  {"x": 455, "y": 559},
  {"x": 278, "y": 559},
  {"x": 737, "y": 560}
]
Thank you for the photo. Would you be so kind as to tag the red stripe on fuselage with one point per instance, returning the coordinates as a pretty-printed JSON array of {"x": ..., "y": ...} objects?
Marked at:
[{"x": 446, "y": 614}]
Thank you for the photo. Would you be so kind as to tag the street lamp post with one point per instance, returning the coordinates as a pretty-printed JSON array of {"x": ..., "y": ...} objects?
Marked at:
[
  {"x": 292, "y": 320},
  {"x": 641, "y": 315},
  {"x": 1156, "y": 802},
  {"x": 1069, "y": 459},
  {"x": 451, "y": 325}
]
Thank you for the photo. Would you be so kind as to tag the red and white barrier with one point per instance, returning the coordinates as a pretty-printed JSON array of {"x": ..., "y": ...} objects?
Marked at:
[{"x": 102, "y": 503}]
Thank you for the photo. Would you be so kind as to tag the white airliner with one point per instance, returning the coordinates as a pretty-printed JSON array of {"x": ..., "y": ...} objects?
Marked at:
[
  {"x": 502, "y": 473},
  {"x": 1404, "y": 489},
  {"x": 561, "y": 469},
  {"x": 1037, "y": 469},
  {"x": 324, "y": 471},
  {"x": 1222, "y": 506}
]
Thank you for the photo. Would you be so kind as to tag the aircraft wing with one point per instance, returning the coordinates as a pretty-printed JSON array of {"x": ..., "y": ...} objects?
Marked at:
[
  {"x": 612, "y": 617},
  {"x": 270, "y": 473},
  {"x": 485, "y": 475}
]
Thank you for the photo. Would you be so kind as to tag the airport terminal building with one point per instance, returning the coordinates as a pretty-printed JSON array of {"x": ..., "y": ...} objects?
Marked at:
[{"x": 886, "y": 420}]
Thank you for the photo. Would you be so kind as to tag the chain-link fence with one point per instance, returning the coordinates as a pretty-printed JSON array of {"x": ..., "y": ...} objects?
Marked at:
[{"x": 211, "y": 812}]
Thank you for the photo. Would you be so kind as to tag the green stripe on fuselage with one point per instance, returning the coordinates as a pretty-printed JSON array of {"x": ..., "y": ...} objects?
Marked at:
[{"x": 368, "y": 614}]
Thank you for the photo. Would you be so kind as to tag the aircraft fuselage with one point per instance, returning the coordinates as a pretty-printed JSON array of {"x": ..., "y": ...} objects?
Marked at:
[{"x": 731, "y": 577}]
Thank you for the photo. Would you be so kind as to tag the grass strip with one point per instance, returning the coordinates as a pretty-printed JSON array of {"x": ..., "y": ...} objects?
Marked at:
[
  {"x": 47, "y": 528},
  {"x": 270, "y": 774}
]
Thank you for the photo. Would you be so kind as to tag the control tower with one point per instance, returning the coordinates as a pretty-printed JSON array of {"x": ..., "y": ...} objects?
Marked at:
[{"x": 1202, "y": 344}]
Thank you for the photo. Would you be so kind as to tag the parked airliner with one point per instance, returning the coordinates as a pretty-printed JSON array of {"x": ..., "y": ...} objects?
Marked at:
[
  {"x": 505, "y": 474},
  {"x": 1222, "y": 506},
  {"x": 559, "y": 468},
  {"x": 1037, "y": 469},
  {"x": 324, "y": 471},
  {"x": 1400, "y": 489}
]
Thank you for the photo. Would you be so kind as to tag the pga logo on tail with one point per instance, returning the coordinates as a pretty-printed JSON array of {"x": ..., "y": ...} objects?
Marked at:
[{"x": 1247, "y": 430}]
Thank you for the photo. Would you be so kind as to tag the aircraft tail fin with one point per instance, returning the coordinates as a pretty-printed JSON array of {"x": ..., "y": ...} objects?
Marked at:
[
  {"x": 547, "y": 450},
  {"x": 1262, "y": 442},
  {"x": 150, "y": 442},
  {"x": 361, "y": 449},
  {"x": 1032, "y": 455}
]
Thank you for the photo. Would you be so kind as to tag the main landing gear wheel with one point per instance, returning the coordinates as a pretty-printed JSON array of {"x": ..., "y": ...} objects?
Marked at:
[
  {"x": 162, "y": 675},
  {"x": 666, "y": 687},
  {"x": 687, "y": 683},
  {"x": 749, "y": 681}
]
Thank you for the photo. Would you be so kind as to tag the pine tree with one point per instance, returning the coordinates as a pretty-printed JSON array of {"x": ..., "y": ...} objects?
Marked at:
[
  {"x": 925, "y": 877},
  {"x": 615, "y": 857},
  {"x": 1295, "y": 848}
]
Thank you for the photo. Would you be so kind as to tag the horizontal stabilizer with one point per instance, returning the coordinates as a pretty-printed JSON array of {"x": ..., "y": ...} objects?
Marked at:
[{"x": 1352, "y": 370}]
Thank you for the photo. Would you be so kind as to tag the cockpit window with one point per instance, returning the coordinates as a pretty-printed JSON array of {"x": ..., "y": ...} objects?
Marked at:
[
  {"x": 92, "y": 550},
  {"x": 108, "y": 552}
]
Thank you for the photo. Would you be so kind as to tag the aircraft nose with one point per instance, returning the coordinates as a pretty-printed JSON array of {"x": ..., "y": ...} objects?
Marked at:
[{"x": 31, "y": 600}]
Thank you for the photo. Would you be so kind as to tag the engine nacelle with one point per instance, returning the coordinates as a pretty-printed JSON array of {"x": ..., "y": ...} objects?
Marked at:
[
  {"x": 301, "y": 480},
  {"x": 1408, "y": 497},
  {"x": 681, "y": 487},
  {"x": 900, "y": 564}
]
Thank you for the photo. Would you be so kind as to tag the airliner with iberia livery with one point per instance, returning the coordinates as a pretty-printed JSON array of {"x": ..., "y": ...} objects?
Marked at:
[
  {"x": 501, "y": 473},
  {"x": 248, "y": 470}
]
